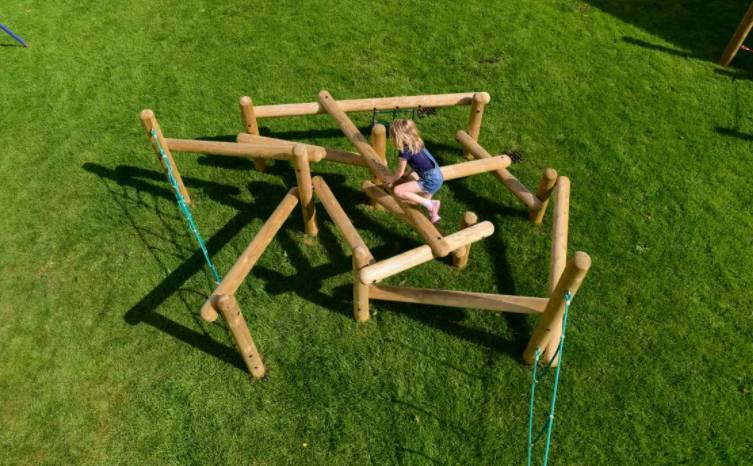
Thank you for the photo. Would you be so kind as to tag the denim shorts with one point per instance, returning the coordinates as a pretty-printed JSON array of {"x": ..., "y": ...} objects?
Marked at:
[{"x": 431, "y": 180}]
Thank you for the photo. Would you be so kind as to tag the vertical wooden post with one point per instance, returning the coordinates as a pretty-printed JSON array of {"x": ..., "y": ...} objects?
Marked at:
[
  {"x": 379, "y": 143},
  {"x": 249, "y": 122},
  {"x": 361, "y": 259},
  {"x": 559, "y": 231},
  {"x": 549, "y": 328},
  {"x": 480, "y": 99},
  {"x": 227, "y": 305},
  {"x": 548, "y": 179},
  {"x": 743, "y": 29},
  {"x": 305, "y": 189},
  {"x": 460, "y": 256},
  {"x": 150, "y": 122}
]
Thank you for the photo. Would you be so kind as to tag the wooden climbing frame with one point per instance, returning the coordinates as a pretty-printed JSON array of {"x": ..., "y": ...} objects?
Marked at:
[{"x": 564, "y": 274}]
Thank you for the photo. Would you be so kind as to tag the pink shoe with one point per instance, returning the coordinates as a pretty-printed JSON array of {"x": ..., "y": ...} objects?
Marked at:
[{"x": 434, "y": 211}]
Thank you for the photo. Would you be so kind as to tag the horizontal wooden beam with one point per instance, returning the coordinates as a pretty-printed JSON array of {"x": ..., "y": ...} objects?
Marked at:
[
  {"x": 368, "y": 105},
  {"x": 464, "y": 299},
  {"x": 461, "y": 170},
  {"x": 316, "y": 153},
  {"x": 251, "y": 254},
  {"x": 345, "y": 157},
  {"x": 508, "y": 179},
  {"x": 417, "y": 256},
  {"x": 234, "y": 149}
]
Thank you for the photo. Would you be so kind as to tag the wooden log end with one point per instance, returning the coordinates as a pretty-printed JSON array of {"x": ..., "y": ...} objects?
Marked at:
[
  {"x": 469, "y": 218},
  {"x": 146, "y": 114},
  {"x": 581, "y": 261},
  {"x": 362, "y": 255},
  {"x": 379, "y": 129},
  {"x": 299, "y": 151},
  {"x": 324, "y": 95},
  {"x": 245, "y": 101},
  {"x": 223, "y": 302},
  {"x": 550, "y": 174},
  {"x": 208, "y": 311},
  {"x": 482, "y": 97}
]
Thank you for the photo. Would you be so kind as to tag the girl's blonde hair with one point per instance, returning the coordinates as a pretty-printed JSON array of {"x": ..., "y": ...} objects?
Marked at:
[{"x": 405, "y": 134}]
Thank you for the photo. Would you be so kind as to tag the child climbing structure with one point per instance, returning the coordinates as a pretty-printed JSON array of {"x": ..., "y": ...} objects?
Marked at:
[{"x": 565, "y": 275}]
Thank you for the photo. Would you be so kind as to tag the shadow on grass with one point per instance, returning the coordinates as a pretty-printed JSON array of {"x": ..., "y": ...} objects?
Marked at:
[
  {"x": 267, "y": 197},
  {"x": 307, "y": 283},
  {"x": 735, "y": 74},
  {"x": 734, "y": 133},
  {"x": 656, "y": 47},
  {"x": 701, "y": 27}
]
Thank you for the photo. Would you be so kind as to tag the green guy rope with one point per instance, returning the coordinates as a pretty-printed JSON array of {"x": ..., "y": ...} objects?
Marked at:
[
  {"x": 184, "y": 207},
  {"x": 536, "y": 376}
]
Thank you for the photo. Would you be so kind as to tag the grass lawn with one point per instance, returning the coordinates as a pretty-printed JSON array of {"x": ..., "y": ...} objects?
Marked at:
[{"x": 106, "y": 360}]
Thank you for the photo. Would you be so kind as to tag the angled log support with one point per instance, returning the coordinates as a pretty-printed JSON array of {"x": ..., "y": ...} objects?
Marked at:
[
  {"x": 546, "y": 335},
  {"x": 379, "y": 196},
  {"x": 251, "y": 254},
  {"x": 149, "y": 120},
  {"x": 339, "y": 217},
  {"x": 415, "y": 218},
  {"x": 508, "y": 180},
  {"x": 249, "y": 122},
  {"x": 548, "y": 179},
  {"x": 228, "y": 306}
]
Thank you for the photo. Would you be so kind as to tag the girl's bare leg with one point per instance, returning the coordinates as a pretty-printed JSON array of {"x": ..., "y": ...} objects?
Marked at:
[{"x": 412, "y": 192}]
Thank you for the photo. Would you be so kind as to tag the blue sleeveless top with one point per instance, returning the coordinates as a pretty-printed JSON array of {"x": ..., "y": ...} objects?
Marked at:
[{"x": 421, "y": 162}]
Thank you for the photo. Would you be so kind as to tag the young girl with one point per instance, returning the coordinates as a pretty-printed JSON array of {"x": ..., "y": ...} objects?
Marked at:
[{"x": 413, "y": 153}]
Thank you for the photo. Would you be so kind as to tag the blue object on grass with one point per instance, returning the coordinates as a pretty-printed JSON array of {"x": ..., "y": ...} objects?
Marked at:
[{"x": 13, "y": 35}]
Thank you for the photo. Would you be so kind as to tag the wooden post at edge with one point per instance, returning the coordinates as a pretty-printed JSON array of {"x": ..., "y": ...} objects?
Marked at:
[
  {"x": 742, "y": 31},
  {"x": 228, "y": 306},
  {"x": 150, "y": 122},
  {"x": 550, "y": 322}
]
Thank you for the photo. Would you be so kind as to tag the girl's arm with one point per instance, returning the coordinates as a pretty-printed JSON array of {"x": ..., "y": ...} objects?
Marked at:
[{"x": 401, "y": 164}]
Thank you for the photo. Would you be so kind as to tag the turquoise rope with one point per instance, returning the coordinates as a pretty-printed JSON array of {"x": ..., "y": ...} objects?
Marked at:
[
  {"x": 184, "y": 207},
  {"x": 536, "y": 377}
]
